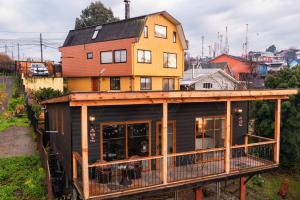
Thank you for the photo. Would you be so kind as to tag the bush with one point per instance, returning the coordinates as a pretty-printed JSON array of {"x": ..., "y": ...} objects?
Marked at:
[
  {"x": 47, "y": 93},
  {"x": 13, "y": 102},
  {"x": 37, "y": 108}
]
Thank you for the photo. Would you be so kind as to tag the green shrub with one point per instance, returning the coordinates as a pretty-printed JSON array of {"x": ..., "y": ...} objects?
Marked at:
[
  {"x": 13, "y": 102},
  {"x": 37, "y": 108},
  {"x": 47, "y": 93}
]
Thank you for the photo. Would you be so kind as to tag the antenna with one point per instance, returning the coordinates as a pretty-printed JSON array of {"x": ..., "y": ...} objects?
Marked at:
[
  {"x": 209, "y": 49},
  {"x": 246, "y": 42},
  {"x": 218, "y": 44},
  {"x": 226, "y": 42},
  {"x": 221, "y": 41},
  {"x": 202, "y": 41}
]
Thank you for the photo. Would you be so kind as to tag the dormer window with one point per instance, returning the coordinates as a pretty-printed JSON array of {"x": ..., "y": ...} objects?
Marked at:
[{"x": 97, "y": 29}]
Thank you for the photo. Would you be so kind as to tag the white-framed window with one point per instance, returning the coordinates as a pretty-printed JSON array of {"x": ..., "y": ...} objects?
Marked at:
[
  {"x": 143, "y": 56},
  {"x": 170, "y": 60},
  {"x": 120, "y": 56},
  {"x": 106, "y": 57},
  {"x": 207, "y": 85},
  {"x": 145, "y": 31},
  {"x": 160, "y": 31},
  {"x": 146, "y": 83}
]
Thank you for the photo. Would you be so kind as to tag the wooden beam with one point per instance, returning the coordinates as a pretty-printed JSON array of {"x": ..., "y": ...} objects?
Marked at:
[
  {"x": 243, "y": 188},
  {"x": 84, "y": 152},
  {"x": 227, "y": 136},
  {"x": 164, "y": 142},
  {"x": 277, "y": 130}
]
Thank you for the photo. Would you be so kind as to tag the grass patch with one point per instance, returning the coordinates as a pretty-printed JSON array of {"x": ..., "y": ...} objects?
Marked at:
[
  {"x": 21, "y": 178},
  {"x": 7, "y": 123},
  {"x": 271, "y": 185}
]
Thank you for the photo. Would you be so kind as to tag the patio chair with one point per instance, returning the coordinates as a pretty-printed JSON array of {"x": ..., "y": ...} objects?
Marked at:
[{"x": 103, "y": 174}]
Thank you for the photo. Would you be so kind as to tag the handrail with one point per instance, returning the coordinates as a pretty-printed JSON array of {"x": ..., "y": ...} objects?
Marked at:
[
  {"x": 253, "y": 144},
  {"x": 260, "y": 137},
  {"x": 125, "y": 161},
  {"x": 196, "y": 152},
  {"x": 77, "y": 156}
]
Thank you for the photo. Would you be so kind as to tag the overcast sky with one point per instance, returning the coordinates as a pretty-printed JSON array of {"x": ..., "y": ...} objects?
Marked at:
[{"x": 270, "y": 22}]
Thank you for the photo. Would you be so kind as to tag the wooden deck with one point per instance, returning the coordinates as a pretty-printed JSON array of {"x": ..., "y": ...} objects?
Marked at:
[{"x": 176, "y": 174}]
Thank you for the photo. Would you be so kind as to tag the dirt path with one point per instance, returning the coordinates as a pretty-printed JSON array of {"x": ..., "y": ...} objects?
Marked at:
[
  {"x": 16, "y": 141},
  {"x": 9, "y": 84}
]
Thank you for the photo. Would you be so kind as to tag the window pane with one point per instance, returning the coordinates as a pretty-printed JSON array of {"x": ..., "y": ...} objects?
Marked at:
[
  {"x": 146, "y": 31},
  {"x": 147, "y": 56},
  {"x": 165, "y": 60},
  {"x": 161, "y": 31},
  {"x": 123, "y": 56},
  {"x": 106, "y": 57},
  {"x": 114, "y": 146},
  {"x": 172, "y": 60},
  {"x": 198, "y": 129},
  {"x": 165, "y": 84},
  {"x": 171, "y": 84},
  {"x": 115, "y": 83},
  {"x": 140, "y": 56},
  {"x": 174, "y": 37},
  {"x": 89, "y": 55},
  {"x": 138, "y": 139},
  {"x": 117, "y": 56},
  {"x": 145, "y": 83}
]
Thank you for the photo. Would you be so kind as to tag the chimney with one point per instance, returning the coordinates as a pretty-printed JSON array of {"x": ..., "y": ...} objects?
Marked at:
[{"x": 127, "y": 9}]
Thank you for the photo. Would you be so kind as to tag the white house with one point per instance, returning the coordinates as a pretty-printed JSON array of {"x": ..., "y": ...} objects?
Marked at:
[{"x": 208, "y": 79}]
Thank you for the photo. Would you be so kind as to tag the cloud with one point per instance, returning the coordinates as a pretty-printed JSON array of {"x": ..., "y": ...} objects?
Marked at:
[{"x": 270, "y": 21}]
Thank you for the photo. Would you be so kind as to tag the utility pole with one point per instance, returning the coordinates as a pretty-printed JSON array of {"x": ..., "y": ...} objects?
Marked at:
[
  {"x": 18, "y": 51},
  {"x": 226, "y": 42},
  {"x": 246, "y": 42},
  {"x": 41, "y": 44}
]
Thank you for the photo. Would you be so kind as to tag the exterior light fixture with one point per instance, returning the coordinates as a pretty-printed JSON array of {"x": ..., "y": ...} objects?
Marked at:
[
  {"x": 238, "y": 110},
  {"x": 92, "y": 119}
]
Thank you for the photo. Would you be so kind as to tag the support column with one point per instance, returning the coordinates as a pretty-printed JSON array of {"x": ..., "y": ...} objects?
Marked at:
[
  {"x": 199, "y": 193},
  {"x": 84, "y": 152},
  {"x": 277, "y": 130},
  {"x": 243, "y": 188},
  {"x": 164, "y": 142},
  {"x": 227, "y": 136}
]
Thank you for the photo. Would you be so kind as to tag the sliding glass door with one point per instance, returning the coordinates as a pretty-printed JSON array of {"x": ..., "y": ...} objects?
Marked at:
[
  {"x": 122, "y": 140},
  {"x": 209, "y": 132}
]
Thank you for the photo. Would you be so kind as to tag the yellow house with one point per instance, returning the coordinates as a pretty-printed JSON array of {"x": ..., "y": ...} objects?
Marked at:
[{"x": 140, "y": 53}]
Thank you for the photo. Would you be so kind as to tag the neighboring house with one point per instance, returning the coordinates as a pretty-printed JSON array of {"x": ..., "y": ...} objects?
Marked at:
[
  {"x": 118, "y": 145},
  {"x": 294, "y": 63},
  {"x": 208, "y": 79},
  {"x": 237, "y": 65},
  {"x": 140, "y": 53},
  {"x": 262, "y": 69},
  {"x": 275, "y": 67}
]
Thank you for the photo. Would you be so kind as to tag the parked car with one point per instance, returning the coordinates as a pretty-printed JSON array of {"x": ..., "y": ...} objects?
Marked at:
[{"x": 38, "y": 69}]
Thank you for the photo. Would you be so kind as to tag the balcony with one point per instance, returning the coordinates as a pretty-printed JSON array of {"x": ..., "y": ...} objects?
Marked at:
[{"x": 111, "y": 179}]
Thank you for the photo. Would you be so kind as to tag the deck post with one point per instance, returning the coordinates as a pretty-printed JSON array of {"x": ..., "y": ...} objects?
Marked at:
[
  {"x": 74, "y": 166},
  {"x": 84, "y": 152},
  {"x": 243, "y": 188},
  {"x": 277, "y": 130},
  {"x": 246, "y": 143},
  {"x": 227, "y": 136},
  {"x": 164, "y": 142},
  {"x": 199, "y": 193}
]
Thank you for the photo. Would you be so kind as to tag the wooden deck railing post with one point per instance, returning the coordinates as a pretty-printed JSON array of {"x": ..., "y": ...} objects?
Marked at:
[
  {"x": 246, "y": 143},
  {"x": 164, "y": 142},
  {"x": 84, "y": 152},
  {"x": 277, "y": 130},
  {"x": 74, "y": 166},
  {"x": 227, "y": 136}
]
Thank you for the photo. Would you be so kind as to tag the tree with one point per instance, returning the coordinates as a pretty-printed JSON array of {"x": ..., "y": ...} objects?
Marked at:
[
  {"x": 263, "y": 113},
  {"x": 96, "y": 13},
  {"x": 271, "y": 48}
]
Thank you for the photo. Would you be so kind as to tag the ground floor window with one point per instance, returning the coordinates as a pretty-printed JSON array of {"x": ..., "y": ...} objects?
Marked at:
[
  {"x": 168, "y": 84},
  {"x": 209, "y": 132},
  {"x": 146, "y": 83},
  {"x": 122, "y": 140},
  {"x": 115, "y": 83}
]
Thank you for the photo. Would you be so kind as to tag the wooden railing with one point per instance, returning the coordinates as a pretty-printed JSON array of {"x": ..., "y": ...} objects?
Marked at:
[
  {"x": 77, "y": 171},
  {"x": 195, "y": 164},
  {"x": 115, "y": 177},
  {"x": 118, "y": 176}
]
